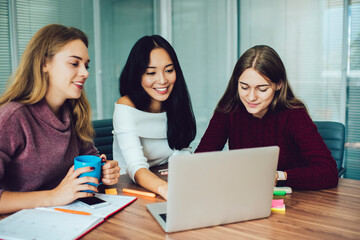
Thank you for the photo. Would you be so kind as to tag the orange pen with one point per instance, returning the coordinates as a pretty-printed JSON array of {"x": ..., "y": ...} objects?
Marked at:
[
  {"x": 147, "y": 194},
  {"x": 72, "y": 211}
]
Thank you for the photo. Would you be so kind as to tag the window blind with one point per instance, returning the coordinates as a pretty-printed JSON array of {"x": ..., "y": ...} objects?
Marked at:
[
  {"x": 122, "y": 24},
  {"x": 5, "y": 59},
  {"x": 308, "y": 37},
  {"x": 353, "y": 104},
  {"x": 201, "y": 37},
  {"x": 34, "y": 14},
  {"x": 31, "y": 15}
]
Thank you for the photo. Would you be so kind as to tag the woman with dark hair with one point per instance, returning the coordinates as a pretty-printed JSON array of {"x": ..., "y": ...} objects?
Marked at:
[
  {"x": 259, "y": 109},
  {"x": 45, "y": 122},
  {"x": 153, "y": 118}
]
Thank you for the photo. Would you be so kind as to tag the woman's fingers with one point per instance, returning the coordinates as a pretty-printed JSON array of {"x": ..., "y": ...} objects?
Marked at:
[
  {"x": 111, "y": 167},
  {"x": 83, "y": 180},
  {"x": 71, "y": 170},
  {"x": 72, "y": 186},
  {"x": 111, "y": 173},
  {"x": 110, "y": 181},
  {"x": 103, "y": 157},
  {"x": 111, "y": 176},
  {"x": 79, "y": 171},
  {"x": 86, "y": 187},
  {"x": 83, "y": 195},
  {"x": 110, "y": 164},
  {"x": 164, "y": 173}
]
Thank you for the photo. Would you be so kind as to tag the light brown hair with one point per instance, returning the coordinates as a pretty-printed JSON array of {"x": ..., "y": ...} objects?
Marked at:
[
  {"x": 29, "y": 84},
  {"x": 266, "y": 62}
]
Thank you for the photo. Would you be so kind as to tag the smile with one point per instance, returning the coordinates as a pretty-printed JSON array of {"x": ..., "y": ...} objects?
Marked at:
[
  {"x": 161, "y": 90},
  {"x": 252, "y": 105},
  {"x": 79, "y": 85}
]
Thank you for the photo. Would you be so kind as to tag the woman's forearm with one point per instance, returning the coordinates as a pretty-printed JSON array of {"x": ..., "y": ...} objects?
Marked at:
[
  {"x": 14, "y": 201},
  {"x": 150, "y": 181}
]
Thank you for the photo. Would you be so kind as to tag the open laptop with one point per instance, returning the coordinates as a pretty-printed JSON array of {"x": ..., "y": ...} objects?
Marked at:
[{"x": 214, "y": 188}]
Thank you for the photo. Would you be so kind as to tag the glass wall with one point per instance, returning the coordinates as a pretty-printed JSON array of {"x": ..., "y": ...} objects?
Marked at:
[
  {"x": 353, "y": 91},
  {"x": 312, "y": 39},
  {"x": 307, "y": 35},
  {"x": 122, "y": 24},
  {"x": 23, "y": 18},
  {"x": 5, "y": 51},
  {"x": 201, "y": 39}
]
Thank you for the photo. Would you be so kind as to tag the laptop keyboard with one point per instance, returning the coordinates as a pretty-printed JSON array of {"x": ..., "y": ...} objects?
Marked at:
[{"x": 163, "y": 216}]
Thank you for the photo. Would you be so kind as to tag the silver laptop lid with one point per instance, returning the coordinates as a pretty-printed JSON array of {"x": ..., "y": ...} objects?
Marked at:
[{"x": 213, "y": 188}]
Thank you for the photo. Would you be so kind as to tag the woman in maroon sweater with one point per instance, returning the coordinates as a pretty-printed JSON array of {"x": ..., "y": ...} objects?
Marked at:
[
  {"x": 45, "y": 123},
  {"x": 259, "y": 109}
]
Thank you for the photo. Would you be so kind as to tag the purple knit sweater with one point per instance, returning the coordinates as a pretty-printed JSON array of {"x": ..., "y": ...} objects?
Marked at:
[
  {"x": 36, "y": 148},
  {"x": 303, "y": 153}
]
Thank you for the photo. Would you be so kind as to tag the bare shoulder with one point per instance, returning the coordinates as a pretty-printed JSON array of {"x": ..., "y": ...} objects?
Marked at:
[{"x": 125, "y": 100}]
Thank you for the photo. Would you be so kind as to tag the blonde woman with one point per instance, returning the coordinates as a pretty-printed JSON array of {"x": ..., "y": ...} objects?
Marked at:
[{"x": 45, "y": 123}]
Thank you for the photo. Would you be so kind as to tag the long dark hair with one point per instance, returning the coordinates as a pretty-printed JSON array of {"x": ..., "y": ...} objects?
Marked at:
[
  {"x": 265, "y": 61},
  {"x": 181, "y": 129}
]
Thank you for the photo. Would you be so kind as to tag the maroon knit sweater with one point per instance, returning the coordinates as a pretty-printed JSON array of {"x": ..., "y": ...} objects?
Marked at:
[
  {"x": 303, "y": 153},
  {"x": 36, "y": 148}
]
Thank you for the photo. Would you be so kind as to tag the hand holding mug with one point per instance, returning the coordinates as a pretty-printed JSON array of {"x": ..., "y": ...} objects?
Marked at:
[
  {"x": 94, "y": 162},
  {"x": 73, "y": 187},
  {"x": 110, "y": 171}
]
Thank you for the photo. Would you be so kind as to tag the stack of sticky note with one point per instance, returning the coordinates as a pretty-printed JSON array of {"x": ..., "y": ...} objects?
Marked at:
[{"x": 277, "y": 205}]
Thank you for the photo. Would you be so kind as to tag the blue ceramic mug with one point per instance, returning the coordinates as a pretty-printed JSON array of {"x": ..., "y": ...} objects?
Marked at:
[{"x": 89, "y": 161}]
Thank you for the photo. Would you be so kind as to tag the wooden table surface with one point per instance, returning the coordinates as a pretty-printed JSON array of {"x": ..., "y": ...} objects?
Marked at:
[{"x": 326, "y": 214}]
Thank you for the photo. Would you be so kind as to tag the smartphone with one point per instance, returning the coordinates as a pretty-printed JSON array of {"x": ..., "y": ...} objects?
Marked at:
[{"x": 93, "y": 202}]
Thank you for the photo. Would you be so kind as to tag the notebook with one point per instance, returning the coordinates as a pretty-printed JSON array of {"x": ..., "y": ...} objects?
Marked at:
[
  {"x": 215, "y": 188},
  {"x": 47, "y": 223}
]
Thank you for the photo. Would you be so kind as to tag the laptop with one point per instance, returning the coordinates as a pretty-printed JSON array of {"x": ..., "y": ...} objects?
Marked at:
[{"x": 215, "y": 188}]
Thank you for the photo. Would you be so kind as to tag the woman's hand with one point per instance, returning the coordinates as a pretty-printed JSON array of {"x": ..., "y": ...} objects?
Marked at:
[
  {"x": 163, "y": 190},
  {"x": 277, "y": 177},
  {"x": 71, "y": 187},
  {"x": 110, "y": 171}
]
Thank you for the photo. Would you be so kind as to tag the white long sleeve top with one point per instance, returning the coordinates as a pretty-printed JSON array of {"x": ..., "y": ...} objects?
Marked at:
[{"x": 140, "y": 139}]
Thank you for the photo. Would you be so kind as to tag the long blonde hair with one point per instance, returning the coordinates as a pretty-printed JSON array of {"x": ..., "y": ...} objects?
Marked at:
[{"x": 29, "y": 84}]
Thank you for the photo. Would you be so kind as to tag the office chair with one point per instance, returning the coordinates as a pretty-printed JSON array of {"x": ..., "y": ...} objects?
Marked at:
[
  {"x": 103, "y": 136},
  {"x": 333, "y": 134}
]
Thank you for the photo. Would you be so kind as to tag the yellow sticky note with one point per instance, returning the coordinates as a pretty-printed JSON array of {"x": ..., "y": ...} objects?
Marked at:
[
  {"x": 111, "y": 191},
  {"x": 278, "y": 209}
]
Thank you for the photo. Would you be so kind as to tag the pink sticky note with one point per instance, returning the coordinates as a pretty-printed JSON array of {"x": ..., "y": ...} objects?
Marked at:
[{"x": 277, "y": 203}]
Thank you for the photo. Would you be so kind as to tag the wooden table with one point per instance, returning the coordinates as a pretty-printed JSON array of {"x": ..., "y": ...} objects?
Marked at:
[{"x": 326, "y": 214}]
